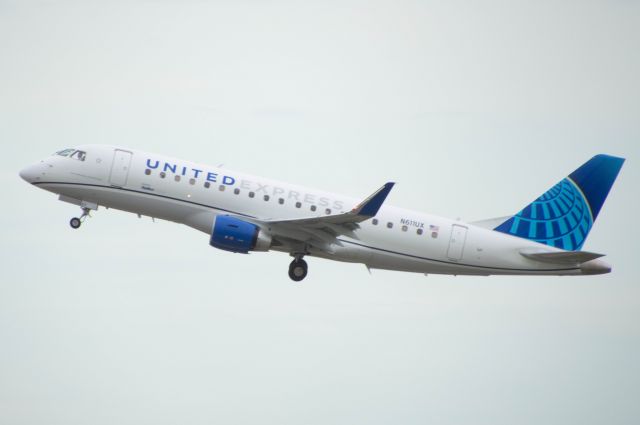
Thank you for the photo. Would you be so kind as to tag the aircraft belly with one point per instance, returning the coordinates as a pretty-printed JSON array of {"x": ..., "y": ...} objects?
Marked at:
[
  {"x": 347, "y": 253},
  {"x": 167, "y": 209},
  {"x": 399, "y": 262}
]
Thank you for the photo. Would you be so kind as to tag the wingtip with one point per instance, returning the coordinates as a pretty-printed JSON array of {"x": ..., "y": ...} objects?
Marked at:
[{"x": 372, "y": 204}]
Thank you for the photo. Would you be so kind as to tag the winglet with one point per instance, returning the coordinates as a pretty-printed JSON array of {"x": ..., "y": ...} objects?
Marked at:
[{"x": 370, "y": 206}]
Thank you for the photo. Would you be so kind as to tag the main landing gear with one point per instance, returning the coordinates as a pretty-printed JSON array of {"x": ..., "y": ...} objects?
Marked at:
[
  {"x": 298, "y": 269},
  {"x": 75, "y": 222}
]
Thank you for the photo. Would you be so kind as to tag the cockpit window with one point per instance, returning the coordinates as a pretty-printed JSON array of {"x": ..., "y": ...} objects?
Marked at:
[
  {"x": 79, "y": 155},
  {"x": 73, "y": 153},
  {"x": 65, "y": 152}
]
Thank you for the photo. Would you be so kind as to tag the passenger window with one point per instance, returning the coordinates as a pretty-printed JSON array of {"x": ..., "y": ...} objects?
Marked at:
[
  {"x": 236, "y": 191},
  {"x": 162, "y": 174},
  {"x": 207, "y": 185},
  {"x": 298, "y": 204},
  {"x": 327, "y": 211},
  {"x": 192, "y": 181},
  {"x": 147, "y": 171},
  {"x": 404, "y": 228},
  {"x": 281, "y": 201},
  {"x": 374, "y": 221},
  {"x": 313, "y": 208},
  {"x": 251, "y": 194},
  {"x": 266, "y": 197},
  {"x": 419, "y": 231},
  {"x": 221, "y": 188},
  {"x": 177, "y": 178},
  {"x": 390, "y": 225}
]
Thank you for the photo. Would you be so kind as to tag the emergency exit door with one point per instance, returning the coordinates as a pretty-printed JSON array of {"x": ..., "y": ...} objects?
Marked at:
[
  {"x": 120, "y": 168},
  {"x": 457, "y": 241}
]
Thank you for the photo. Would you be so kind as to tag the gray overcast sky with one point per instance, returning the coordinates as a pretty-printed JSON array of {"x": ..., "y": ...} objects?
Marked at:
[{"x": 474, "y": 108}]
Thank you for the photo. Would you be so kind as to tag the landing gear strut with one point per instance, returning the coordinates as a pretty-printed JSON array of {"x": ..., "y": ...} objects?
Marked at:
[
  {"x": 298, "y": 269},
  {"x": 75, "y": 222}
]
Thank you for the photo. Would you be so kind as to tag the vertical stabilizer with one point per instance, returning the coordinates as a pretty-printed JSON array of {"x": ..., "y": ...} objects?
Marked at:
[{"x": 563, "y": 216}]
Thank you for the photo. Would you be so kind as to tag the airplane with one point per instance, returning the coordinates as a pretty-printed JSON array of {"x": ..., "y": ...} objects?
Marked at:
[{"x": 242, "y": 213}]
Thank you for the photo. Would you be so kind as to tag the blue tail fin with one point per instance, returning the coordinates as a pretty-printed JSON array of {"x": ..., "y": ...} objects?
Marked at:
[{"x": 563, "y": 216}]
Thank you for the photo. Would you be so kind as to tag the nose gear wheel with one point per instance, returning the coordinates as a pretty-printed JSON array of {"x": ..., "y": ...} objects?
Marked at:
[{"x": 75, "y": 222}]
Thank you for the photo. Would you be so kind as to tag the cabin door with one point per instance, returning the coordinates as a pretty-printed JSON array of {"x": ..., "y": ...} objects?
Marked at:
[
  {"x": 456, "y": 242},
  {"x": 120, "y": 168}
]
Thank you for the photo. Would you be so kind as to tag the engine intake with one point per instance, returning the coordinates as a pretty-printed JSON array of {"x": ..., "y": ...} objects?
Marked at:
[{"x": 235, "y": 235}]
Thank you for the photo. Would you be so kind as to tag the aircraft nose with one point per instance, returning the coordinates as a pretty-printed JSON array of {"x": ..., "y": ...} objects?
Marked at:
[
  {"x": 32, "y": 173},
  {"x": 27, "y": 174}
]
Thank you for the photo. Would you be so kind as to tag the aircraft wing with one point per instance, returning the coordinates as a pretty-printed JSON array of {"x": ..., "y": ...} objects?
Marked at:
[{"x": 322, "y": 232}]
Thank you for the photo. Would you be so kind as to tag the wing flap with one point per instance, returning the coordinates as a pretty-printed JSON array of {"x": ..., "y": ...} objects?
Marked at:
[{"x": 322, "y": 232}]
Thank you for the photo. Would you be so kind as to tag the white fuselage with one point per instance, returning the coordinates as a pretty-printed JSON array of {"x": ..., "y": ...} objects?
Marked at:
[{"x": 193, "y": 194}]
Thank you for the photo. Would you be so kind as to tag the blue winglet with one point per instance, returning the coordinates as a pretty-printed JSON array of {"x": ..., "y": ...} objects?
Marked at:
[{"x": 370, "y": 206}]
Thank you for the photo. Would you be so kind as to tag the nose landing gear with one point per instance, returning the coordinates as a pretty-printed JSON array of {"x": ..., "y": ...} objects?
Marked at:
[
  {"x": 298, "y": 269},
  {"x": 75, "y": 222}
]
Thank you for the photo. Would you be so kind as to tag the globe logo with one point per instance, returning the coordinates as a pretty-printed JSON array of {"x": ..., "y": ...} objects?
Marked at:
[{"x": 561, "y": 218}]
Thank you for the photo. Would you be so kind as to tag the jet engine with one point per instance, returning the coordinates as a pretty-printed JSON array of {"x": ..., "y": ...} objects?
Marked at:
[{"x": 235, "y": 235}]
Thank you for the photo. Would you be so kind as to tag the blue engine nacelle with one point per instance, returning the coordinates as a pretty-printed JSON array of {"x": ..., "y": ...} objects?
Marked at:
[{"x": 235, "y": 235}]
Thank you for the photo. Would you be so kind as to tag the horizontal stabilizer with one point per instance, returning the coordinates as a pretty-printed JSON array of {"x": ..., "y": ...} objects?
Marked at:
[{"x": 561, "y": 257}]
